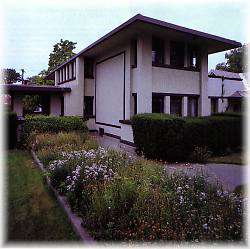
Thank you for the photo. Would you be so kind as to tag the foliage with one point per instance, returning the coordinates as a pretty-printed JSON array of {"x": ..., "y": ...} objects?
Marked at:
[
  {"x": 10, "y": 76},
  {"x": 40, "y": 79},
  {"x": 42, "y": 124},
  {"x": 161, "y": 136},
  {"x": 11, "y": 126},
  {"x": 236, "y": 60},
  {"x": 30, "y": 102},
  {"x": 200, "y": 154},
  {"x": 121, "y": 197},
  {"x": 33, "y": 214},
  {"x": 62, "y": 51}
]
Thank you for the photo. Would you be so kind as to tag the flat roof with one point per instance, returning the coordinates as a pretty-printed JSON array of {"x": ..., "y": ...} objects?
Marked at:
[
  {"x": 34, "y": 89},
  {"x": 148, "y": 20}
]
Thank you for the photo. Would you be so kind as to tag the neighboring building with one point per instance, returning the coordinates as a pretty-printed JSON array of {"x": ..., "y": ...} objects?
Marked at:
[
  {"x": 226, "y": 91},
  {"x": 143, "y": 65}
]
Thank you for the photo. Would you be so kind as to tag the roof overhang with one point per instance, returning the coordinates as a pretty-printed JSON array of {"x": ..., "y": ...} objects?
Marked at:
[
  {"x": 33, "y": 89},
  {"x": 142, "y": 24}
]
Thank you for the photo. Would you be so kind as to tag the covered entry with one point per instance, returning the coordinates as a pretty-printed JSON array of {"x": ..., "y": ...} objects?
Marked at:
[{"x": 52, "y": 98}]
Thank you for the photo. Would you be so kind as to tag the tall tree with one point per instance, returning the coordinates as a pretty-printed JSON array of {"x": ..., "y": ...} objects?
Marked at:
[
  {"x": 40, "y": 79},
  {"x": 10, "y": 76},
  {"x": 235, "y": 60},
  {"x": 62, "y": 51}
]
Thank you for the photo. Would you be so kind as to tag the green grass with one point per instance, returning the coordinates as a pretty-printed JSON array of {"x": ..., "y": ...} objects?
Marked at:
[
  {"x": 33, "y": 212},
  {"x": 233, "y": 158}
]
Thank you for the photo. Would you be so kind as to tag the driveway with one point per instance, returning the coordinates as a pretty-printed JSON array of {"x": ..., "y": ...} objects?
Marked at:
[{"x": 229, "y": 175}]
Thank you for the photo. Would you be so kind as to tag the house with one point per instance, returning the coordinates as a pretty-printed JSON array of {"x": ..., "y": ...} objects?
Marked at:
[
  {"x": 226, "y": 91},
  {"x": 141, "y": 66}
]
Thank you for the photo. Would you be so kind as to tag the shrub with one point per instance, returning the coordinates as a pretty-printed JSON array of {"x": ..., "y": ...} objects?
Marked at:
[
  {"x": 158, "y": 136},
  {"x": 51, "y": 124},
  {"x": 171, "y": 138},
  {"x": 11, "y": 126}
]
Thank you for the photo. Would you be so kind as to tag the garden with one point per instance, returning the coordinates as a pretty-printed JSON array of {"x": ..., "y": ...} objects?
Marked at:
[{"x": 126, "y": 198}]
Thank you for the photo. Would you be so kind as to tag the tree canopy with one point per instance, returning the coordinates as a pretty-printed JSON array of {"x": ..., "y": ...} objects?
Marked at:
[
  {"x": 235, "y": 60},
  {"x": 62, "y": 51},
  {"x": 10, "y": 76}
]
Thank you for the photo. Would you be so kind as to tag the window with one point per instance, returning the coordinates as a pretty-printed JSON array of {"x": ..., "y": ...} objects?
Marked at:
[
  {"x": 73, "y": 69},
  {"x": 88, "y": 106},
  {"x": 177, "y": 54},
  {"x": 176, "y": 105},
  {"x": 192, "y": 106},
  {"x": 194, "y": 58},
  {"x": 62, "y": 105},
  {"x": 134, "y": 53},
  {"x": 88, "y": 68},
  {"x": 214, "y": 105},
  {"x": 135, "y": 102},
  {"x": 157, "y": 51},
  {"x": 158, "y": 104}
]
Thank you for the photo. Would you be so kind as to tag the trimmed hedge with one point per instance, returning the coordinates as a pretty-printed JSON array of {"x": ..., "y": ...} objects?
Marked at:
[
  {"x": 51, "y": 124},
  {"x": 166, "y": 137},
  {"x": 11, "y": 126}
]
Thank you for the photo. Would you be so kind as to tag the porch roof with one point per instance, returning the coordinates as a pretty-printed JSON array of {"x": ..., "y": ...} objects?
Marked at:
[
  {"x": 33, "y": 89},
  {"x": 144, "y": 24}
]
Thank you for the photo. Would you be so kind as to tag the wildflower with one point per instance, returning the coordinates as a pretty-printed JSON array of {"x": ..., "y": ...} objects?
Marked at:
[{"x": 205, "y": 226}]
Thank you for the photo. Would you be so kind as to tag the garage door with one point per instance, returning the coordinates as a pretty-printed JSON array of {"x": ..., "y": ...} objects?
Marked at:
[{"x": 110, "y": 90}]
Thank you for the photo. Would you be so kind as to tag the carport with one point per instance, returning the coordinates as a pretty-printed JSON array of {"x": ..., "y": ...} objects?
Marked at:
[{"x": 52, "y": 97}]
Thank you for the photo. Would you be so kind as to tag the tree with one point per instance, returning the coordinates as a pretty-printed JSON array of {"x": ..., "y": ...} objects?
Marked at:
[
  {"x": 62, "y": 52},
  {"x": 40, "y": 79},
  {"x": 10, "y": 76},
  {"x": 235, "y": 60}
]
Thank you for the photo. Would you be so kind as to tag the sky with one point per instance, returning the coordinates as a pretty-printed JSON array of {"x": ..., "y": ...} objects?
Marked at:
[{"x": 31, "y": 28}]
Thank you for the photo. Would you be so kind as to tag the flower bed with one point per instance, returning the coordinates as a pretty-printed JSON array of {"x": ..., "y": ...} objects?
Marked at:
[{"x": 125, "y": 198}]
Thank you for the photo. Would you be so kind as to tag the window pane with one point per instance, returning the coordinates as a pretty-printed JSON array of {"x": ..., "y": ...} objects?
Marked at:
[
  {"x": 177, "y": 51},
  {"x": 176, "y": 105},
  {"x": 192, "y": 106},
  {"x": 88, "y": 106},
  {"x": 157, "y": 50},
  {"x": 158, "y": 104}
]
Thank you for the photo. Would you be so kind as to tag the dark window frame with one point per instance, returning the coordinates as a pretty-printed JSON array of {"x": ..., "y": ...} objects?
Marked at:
[
  {"x": 135, "y": 102},
  {"x": 88, "y": 68},
  {"x": 214, "y": 105},
  {"x": 88, "y": 106},
  {"x": 196, "y": 99},
  {"x": 177, "y": 54},
  {"x": 176, "y": 100},
  {"x": 158, "y": 51},
  {"x": 134, "y": 53},
  {"x": 157, "y": 104}
]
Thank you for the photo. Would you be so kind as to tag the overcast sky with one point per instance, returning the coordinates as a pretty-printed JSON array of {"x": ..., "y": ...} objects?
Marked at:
[{"x": 31, "y": 28}]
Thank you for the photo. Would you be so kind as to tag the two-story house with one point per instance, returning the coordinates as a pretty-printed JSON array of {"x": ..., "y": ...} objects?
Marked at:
[{"x": 144, "y": 65}]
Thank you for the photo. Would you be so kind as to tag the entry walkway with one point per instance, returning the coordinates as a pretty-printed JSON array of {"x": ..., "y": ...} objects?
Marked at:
[{"x": 229, "y": 175}]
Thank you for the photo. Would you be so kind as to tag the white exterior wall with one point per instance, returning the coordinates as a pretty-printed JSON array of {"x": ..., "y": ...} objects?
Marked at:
[
  {"x": 230, "y": 87},
  {"x": 73, "y": 101},
  {"x": 166, "y": 80},
  {"x": 55, "y": 105},
  {"x": 127, "y": 133}
]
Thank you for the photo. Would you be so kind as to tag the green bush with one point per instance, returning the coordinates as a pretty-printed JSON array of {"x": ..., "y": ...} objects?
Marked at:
[
  {"x": 11, "y": 126},
  {"x": 170, "y": 138},
  {"x": 158, "y": 135},
  {"x": 50, "y": 124}
]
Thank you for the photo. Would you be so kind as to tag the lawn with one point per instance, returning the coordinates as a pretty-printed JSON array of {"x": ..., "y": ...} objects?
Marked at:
[
  {"x": 233, "y": 158},
  {"x": 33, "y": 212}
]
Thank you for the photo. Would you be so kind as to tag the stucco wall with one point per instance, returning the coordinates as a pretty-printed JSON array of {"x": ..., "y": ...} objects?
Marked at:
[
  {"x": 55, "y": 106},
  {"x": 127, "y": 133},
  {"x": 110, "y": 90},
  {"x": 89, "y": 89},
  {"x": 175, "y": 81}
]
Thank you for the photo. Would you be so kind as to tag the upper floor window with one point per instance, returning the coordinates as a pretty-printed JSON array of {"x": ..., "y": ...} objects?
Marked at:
[
  {"x": 157, "y": 51},
  {"x": 88, "y": 68},
  {"x": 177, "y": 53},
  {"x": 194, "y": 58},
  {"x": 73, "y": 69},
  {"x": 134, "y": 53}
]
